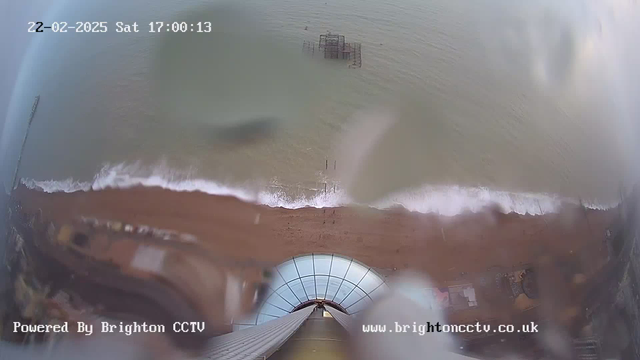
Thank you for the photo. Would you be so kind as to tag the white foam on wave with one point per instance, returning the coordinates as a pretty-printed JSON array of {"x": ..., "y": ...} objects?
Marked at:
[
  {"x": 280, "y": 198},
  {"x": 444, "y": 200},
  {"x": 452, "y": 200},
  {"x": 51, "y": 186}
]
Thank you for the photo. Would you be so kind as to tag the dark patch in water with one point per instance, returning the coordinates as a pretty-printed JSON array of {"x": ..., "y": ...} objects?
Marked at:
[{"x": 251, "y": 131}]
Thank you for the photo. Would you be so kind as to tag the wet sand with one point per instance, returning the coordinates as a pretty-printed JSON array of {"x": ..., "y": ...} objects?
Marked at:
[{"x": 443, "y": 247}]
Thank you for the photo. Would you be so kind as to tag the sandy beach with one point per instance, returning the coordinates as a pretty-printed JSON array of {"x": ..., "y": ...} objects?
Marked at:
[{"x": 443, "y": 247}]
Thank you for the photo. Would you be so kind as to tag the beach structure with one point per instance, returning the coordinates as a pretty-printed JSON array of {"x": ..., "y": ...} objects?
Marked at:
[
  {"x": 334, "y": 46},
  {"x": 324, "y": 287}
]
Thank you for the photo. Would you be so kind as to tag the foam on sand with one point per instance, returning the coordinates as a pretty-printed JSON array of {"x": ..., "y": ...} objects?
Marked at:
[{"x": 444, "y": 200}]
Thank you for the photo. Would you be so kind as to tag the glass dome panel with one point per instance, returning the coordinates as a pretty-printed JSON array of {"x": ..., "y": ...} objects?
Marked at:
[
  {"x": 323, "y": 264},
  {"x": 330, "y": 277},
  {"x": 321, "y": 286},
  {"x": 288, "y": 270}
]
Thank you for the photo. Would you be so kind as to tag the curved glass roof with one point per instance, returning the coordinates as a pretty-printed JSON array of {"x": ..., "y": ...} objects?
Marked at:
[{"x": 334, "y": 278}]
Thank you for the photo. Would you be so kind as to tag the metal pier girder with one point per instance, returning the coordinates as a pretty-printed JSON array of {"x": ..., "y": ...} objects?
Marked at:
[
  {"x": 257, "y": 342},
  {"x": 343, "y": 319}
]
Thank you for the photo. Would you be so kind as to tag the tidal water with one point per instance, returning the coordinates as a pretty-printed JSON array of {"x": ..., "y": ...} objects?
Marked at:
[{"x": 457, "y": 104}]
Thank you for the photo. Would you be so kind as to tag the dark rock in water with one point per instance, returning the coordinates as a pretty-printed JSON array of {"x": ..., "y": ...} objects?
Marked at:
[{"x": 250, "y": 131}]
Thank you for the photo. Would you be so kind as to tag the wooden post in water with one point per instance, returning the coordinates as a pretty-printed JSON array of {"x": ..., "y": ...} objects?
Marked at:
[
  {"x": 334, "y": 184},
  {"x": 326, "y": 167}
]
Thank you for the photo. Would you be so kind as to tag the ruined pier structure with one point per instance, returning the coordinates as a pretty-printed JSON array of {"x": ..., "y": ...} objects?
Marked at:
[{"x": 334, "y": 46}]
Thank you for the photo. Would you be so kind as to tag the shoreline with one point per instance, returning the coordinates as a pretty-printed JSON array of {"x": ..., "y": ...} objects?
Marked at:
[
  {"x": 445, "y": 200},
  {"x": 394, "y": 239}
]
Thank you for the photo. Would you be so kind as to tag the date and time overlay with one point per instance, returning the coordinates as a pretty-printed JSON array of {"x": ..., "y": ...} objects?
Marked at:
[{"x": 119, "y": 27}]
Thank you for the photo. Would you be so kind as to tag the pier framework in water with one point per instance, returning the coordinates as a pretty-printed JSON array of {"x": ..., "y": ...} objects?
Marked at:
[{"x": 334, "y": 46}]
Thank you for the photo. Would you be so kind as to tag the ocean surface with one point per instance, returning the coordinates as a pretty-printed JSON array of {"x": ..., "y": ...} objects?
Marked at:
[{"x": 457, "y": 104}]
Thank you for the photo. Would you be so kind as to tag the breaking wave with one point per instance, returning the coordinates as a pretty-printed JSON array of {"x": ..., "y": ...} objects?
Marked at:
[{"x": 443, "y": 200}]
